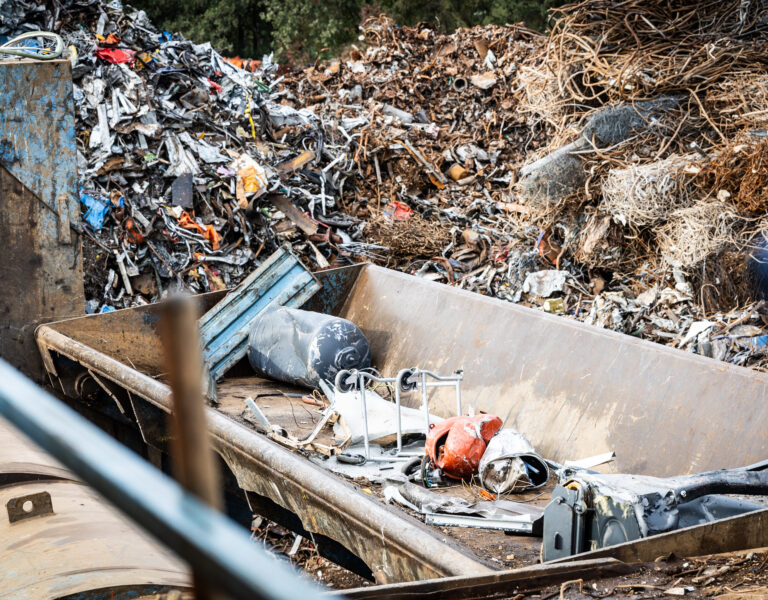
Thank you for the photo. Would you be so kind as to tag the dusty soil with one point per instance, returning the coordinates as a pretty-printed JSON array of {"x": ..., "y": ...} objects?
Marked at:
[{"x": 733, "y": 576}]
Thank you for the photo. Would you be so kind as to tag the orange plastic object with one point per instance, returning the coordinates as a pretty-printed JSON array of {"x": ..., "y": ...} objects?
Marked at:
[
  {"x": 132, "y": 232},
  {"x": 208, "y": 232},
  {"x": 457, "y": 444}
]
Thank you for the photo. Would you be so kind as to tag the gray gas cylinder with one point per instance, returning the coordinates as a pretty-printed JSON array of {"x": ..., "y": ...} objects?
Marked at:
[{"x": 303, "y": 347}]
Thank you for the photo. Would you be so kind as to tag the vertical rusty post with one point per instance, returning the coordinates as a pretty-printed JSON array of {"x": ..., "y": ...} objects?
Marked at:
[{"x": 191, "y": 452}]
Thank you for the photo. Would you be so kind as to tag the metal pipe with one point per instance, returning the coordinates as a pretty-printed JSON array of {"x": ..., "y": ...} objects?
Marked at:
[
  {"x": 361, "y": 385},
  {"x": 214, "y": 546},
  {"x": 398, "y": 418},
  {"x": 425, "y": 398},
  {"x": 747, "y": 483},
  {"x": 435, "y": 384}
]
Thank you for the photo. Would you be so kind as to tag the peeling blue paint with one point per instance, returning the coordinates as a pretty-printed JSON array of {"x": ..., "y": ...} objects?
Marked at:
[{"x": 36, "y": 121}]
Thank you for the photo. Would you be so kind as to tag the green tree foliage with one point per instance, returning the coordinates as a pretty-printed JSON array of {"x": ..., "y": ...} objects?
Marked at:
[
  {"x": 235, "y": 27},
  {"x": 451, "y": 14},
  {"x": 300, "y": 29}
]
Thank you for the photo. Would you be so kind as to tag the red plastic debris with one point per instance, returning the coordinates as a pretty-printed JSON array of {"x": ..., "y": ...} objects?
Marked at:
[
  {"x": 547, "y": 248},
  {"x": 499, "y": 254},
  {"x": 208, "y": 232},
  {"x": 398, "y": 211},
  {"x": 456, "y": 445},
  {"x": 132, "y": 232},
  {"x": 116, "y": 55},
  {"x": 215, "y": 86}
]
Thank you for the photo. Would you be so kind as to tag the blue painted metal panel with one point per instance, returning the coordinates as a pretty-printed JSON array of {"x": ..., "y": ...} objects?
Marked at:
[
  {"x": 42, "y": 267},
  {"x": 280, "y": 281},
  {"x": 37, "y": 133}
]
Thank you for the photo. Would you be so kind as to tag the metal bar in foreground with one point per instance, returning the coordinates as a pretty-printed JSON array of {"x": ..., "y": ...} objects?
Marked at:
[{"x": 216, "y": 548}]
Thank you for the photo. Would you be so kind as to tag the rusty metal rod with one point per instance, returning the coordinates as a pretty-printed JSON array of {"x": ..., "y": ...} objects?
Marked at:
[
  {"x": 192, "y": 455},
  {"x": 191, "y": 452}
]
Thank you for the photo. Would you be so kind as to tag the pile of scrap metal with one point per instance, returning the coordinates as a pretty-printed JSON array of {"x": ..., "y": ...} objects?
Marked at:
[{"x": 470, "y": 158}]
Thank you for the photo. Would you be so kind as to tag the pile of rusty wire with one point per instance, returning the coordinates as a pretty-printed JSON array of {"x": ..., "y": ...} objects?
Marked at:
[{"x": 635, "y": 50}]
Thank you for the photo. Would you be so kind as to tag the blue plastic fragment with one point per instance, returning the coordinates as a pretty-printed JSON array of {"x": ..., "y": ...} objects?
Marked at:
[
  {"x": 107, "y": 308},
  {"x": 97, "y": 210}
]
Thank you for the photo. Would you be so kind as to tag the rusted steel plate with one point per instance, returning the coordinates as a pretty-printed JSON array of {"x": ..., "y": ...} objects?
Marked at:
[
  {"x": 77, "y": 543},
  {"x": 399, "y": 547},
  {"x": 504, "y": 584},
  {"x": 572, "y": 389}
]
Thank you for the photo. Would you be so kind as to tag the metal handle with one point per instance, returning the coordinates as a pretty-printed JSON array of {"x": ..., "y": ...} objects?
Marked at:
[{"x": 10, "y": 47}]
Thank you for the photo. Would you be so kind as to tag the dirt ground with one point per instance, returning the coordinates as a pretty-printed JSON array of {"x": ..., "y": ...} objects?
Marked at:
[{"x": 733, "y": 576}]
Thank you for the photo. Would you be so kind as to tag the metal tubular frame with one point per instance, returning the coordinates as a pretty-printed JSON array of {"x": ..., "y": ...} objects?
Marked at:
[
  {"x": 360, "y": 378},
  {"x": 348, "y": 377},
  {"x": 214, "y": 546}
]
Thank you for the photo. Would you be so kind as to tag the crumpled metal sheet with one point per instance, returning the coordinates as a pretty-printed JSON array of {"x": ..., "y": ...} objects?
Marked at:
[{"x": 510, "y": 464}]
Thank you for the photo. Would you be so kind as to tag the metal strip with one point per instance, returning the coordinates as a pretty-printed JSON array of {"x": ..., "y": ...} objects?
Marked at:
[
  {"x": 522, "y": 526},
  {"x": 281, "y": 280},
  {"x": 27, "y": 507},
  {"x": 215, "y": 547},
  {"x": 504, "y": 584}
]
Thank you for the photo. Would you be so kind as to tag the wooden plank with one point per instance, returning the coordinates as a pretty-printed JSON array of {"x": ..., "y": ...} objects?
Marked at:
[
  {"x": 503, "y": 584},
  {"x": 742, "y": 532}
]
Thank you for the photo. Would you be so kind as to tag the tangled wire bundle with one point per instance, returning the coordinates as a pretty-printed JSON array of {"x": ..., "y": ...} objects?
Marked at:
[
  {"x": 739, "y": 101},
  {"x": 606, "y": 50},
  {"x": 644, "y": 195},
  {"x": 738, "y": 173},
  {"x": 694, "y": 233},
  {"x": 411, "y": 239},
  {"x": 540, "y": 96}
]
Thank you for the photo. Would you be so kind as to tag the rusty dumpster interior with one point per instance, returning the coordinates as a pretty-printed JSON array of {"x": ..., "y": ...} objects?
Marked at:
[{"x": 543, "y": 377}]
